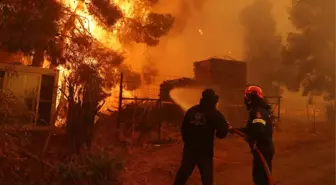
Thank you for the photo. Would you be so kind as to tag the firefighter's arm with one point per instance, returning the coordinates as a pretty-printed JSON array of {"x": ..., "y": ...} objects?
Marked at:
[
  {"x": 221, "y": 126},
  {"x": 244, "y": 130},
  {"x": 255, "y": 129}
]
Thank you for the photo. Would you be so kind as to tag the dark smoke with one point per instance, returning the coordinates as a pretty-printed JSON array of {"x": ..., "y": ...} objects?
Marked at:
[
  {"x": 157, "y": 26},
  {"x": 185, "y": 10},
  {"x": 262, "y": 44},
  {"x": 309, "y": 56},
  {"x": 149, "y": 72},
  {"x": 132, "y": 79}
]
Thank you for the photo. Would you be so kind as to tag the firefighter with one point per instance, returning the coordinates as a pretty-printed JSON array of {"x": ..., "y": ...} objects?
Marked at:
[
  {"x": 198, "y": 128},
  {"x": 259, "y": 131}
]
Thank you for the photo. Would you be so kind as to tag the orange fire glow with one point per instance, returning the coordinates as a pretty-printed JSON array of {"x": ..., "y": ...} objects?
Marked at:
[{"x": 108, "y": 38}]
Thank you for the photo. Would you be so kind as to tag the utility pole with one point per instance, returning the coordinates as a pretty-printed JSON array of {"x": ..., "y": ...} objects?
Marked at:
[{"x": 120, "y": 99}]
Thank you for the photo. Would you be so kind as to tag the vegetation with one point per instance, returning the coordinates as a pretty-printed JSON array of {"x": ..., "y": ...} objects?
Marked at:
[
  {"x": 92, "y": 168},
  {"x": 309, "y": 56},
  {"x": 49, "y": 30}
]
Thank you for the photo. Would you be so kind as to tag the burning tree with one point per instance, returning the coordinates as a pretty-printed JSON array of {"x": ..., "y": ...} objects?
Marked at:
[
  {"x": 86, "y": 85},
  {"x": 309, "y": 56},
  {"x": 86, "y": 40},
  {"x": 36, "y": 27},
  {"x": 262, "y": 44},
  {"x": 27, "y": 26}
]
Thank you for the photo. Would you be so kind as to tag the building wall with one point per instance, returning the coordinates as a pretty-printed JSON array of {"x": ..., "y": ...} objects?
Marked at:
[{"x": 25, "y": 89}]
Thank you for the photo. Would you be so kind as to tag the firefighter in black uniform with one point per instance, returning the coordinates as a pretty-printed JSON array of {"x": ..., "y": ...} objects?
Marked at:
[
  {"x": 259, "y": 131},
  {"x": 199, "y": 126}
]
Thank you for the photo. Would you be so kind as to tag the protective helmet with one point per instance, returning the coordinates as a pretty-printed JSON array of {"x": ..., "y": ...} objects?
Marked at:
[
  {"x": 251, "y": 95},
  {"x": 253, "y": 89}
]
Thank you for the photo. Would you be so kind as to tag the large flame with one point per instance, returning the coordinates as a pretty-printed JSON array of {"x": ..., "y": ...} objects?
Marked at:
[{"x": 107, "y": 37}]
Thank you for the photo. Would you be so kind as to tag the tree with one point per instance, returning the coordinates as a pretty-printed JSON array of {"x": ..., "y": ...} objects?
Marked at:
[
  {"x": 309, "y": 56},
  {"x": 40, "y": 27},
  {"x": 262, "y": 44},
  {"x": 28, "y": 25},
  {"x": 87, "y": 84},
  {"x": 46, "y": 28}
]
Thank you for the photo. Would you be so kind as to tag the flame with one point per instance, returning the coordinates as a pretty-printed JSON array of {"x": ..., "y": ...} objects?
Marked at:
[
  {"x": 63, "y": 73},
  {"x": 129, "y": 9},
  {"x": 108, "y": 38}
]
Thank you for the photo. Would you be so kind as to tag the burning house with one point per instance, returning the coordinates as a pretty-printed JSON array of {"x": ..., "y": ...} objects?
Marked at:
[{"x": 27, "y": 94}]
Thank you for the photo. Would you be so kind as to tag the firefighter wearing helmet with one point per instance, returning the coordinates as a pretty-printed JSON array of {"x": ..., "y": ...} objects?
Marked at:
[{"x": 259, "y": 131}]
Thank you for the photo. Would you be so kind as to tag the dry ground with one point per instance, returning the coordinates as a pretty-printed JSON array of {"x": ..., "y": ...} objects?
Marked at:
[{"x": 302, "y": 158}]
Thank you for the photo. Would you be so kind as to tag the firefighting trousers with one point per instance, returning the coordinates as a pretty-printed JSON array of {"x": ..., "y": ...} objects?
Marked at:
[
  {"x": 258, "y": 171},
  {"x": 189, "y": 161}
]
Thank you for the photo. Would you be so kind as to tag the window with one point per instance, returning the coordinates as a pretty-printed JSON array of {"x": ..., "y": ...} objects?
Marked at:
[
  {"x": 46, "y": 99},
  {"x": 24, "y": 87}
]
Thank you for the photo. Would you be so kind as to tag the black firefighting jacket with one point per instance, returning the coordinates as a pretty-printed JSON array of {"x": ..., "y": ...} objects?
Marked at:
[
  {"x": 259, "y": 129},
  {"x": 199, "y": 128}
]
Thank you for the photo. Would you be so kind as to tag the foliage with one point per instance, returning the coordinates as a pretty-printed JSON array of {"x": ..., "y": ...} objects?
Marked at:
[
  {"x": 309, "y": 56},
  {"x": 143, "y": 118},
  {"x": 150, "y": 31},
  {"x": 28, "y": 25},
  {"x": 21, "y": 166},
  {"x": 146, "y": 112},
  {"x": 48, "y": 29},
  {"x": 105, "y": 12},
  {"x": 262, "y": 44},
  {"x": 35, "y": 27},
  {"x": 13, "y": 111},
  {"x": 87, "y": 85},
  {"x": 92, "y": 168},
  {"x": 7, "y": 100}
]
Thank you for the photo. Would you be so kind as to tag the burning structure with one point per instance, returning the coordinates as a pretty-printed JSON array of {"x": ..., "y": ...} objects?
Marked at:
[
  {"x": 226, "y": 76},
  {"x": 28, "y": 94}
]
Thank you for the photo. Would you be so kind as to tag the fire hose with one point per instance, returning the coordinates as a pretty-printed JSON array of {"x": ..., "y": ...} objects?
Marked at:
[{"x": 261, "y": 157}]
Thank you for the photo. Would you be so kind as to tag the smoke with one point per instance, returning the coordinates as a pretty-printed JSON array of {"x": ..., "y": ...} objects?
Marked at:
[
  {"x": 220, "y": 23},
  {"x": 149, "y": 72},
  {"x": 182, "y": 10},
  {"x": 309, "y": 56},
  {"x": 262, "y": 43}
]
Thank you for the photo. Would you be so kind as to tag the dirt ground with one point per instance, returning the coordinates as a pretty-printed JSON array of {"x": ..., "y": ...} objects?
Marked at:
[{"x": 302, "y": 158}]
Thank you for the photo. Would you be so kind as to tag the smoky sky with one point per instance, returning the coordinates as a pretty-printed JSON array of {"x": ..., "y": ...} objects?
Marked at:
[{"x": 223, "y": 33}]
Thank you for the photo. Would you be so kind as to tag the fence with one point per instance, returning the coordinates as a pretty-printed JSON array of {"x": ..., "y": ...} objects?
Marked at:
[
  {"x": 313, "y": 115},
  {"x": 140, "y": 109},
  {"x": 275, "y": 102},
  {"x": 146, "y": 98}
]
